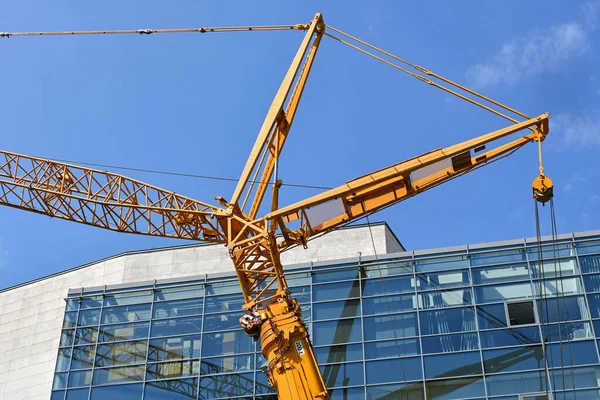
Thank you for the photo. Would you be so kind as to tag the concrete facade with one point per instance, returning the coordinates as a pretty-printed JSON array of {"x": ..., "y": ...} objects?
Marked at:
[{"x": 31, "y": 314}]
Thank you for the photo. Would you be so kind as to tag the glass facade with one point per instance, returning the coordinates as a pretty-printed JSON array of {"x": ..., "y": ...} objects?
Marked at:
[{"x": 482, "y": 323}]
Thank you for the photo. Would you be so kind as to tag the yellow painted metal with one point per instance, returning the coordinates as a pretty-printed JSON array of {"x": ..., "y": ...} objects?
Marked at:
[{"x": 115, "y": 202}]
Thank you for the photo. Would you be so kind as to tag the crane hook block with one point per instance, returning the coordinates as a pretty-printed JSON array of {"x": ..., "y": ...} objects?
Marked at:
[{"x": 543, "y": 189}]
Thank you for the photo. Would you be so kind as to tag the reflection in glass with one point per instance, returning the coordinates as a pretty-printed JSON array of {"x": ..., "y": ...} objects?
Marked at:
[
  {"x": 588, "y": 247},
  {"x": 120, "y": 353},
  {"x": 220, "y": 322},
  {"x": 83, "y": 357},
  {"x": 176, "y": 293},
  {"x": 172, "y": 369},
  {"x": 333, "y": 332},
  {"x": 565, "y": 286},
  {"x": 224, "y": 343},
  {"x": 132, "y": 313},
  {"x": 497, "y": 257},
  {"x": 394, "y": 370},
  {"x": 227, "y": 287},
  {"x": 66, "y": 337},
  {"x": 447, "y": 321},
  {"x": 80, "y": 378},
  {"x": 346, "y": 394},
  {"x": 449, "y": 343},
  {"x": 118, "y": 375},
  {"x": 583, "y": 377},
  {"x": 382, "y": 269},
  {"x": 63, "y": 359},
  {"x": 591, "y": 263},
  {"x": 91, "y": 302},
  {"x": 500, "y": 274},
  {"x": 230, "y": 302},
  {"x": 124, "y": 299},
  {"x": 554, "y": 268},
  {"x": 219, "y": 365},
  {"x": 350, "y": 272},
  {"x": 337, "y": 309},
  {"x": 491, "y": 316},
  {"x": 510, "y": 291},
  {"x": 513, "y": 359},
  {"x": 235, "y": 385},
  {"x": 521, "y": 382},
  {"x": 178, "y": 326},
  {"x": 392, "y": 285},
  {"x": 88, "y": 317},
  {"x": 398, "y": 391},
  {"x": 119, "y": 392},
  {"x": 389, "y": 304},
  {"x": 70, "y": 319},
  {"x": 381, "y": 327},
  {"x": 176, "y": 389},
  {"x": 567, "y": 331},
  {"x": 334, "y": 291},
  {"x": 112, "y": 333},
  {"x": 60, "y": 381},
  {"x": 449, "y": 389},
  {"x": 87, "y": 335},
  {"x": 173, "y": 348},
  {"x": 391, "y": 348},
  {"x": 439, "y": 280},
  {"x": 510, "y": 337},
  {"x": 441, "y": 263},
  {"x": 457, "y": 364},
  {"x": 445, "y": 298},
  {"x": 178, "y": 308},
  {"x": 340, "y": 353},
  {"x": 592, "y": 283},
  {"x": 346, "y": 374},
  {"x": 574, "y": 353}
]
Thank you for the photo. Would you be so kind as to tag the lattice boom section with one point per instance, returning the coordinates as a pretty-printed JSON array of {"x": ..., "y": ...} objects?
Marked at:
[{"x": 103, "y": 199}]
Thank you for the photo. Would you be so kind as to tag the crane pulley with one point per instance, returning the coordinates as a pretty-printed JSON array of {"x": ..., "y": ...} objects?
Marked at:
[{"x": 118, "y": 203}]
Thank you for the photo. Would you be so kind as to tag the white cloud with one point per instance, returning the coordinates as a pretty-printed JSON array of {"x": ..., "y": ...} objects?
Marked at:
[
  {"x": 543, "y": 50},
  {"x": 578, "y": 131},
  {"x": 591, "y": 11}
]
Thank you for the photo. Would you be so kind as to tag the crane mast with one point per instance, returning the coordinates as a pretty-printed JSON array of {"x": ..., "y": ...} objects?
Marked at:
[{"x": 118, "y": 203}]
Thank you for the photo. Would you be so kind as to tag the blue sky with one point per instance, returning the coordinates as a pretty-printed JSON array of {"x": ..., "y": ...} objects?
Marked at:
[{"x": 194, "y": 103}]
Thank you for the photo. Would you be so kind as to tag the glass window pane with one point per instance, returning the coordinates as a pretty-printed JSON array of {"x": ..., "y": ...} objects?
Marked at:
[
  {"x": 89, "y": 317},
  {"x": 120, "y": 392},
  {"x": 219, "y": 322},
  {"x": 570, "y": 308},
  {"x": 447, "y": 321},
  {"x": 592, "y": 283},
  {"x": 561, "y": 286},
  {"x": 132, "y": 313},
  {"x": 357, "y": 393},
  {"x": 554, "y": 251},
  {"x": 457, "y": 364},
  {"x": 398, "y": 391},
  {"x": 83, "y": 357},
  {"x": 393, "y": 370},
  {"x": 333, "y": 332},
  {"x": 223, "y": 343},
  {"x": 60, "y": 381},
  {"x": 333, "y": 291},
  {"x": 179, "y": 389},
  {"x": 389, "y": 304},
  {"x": 336, "y": 309},
  {"x": 340, "y": 353},
  {"x": 224, "y": 303},
  {"x": 442, "y": 263},
  {"x": 87, "y": 335},
  {"x": 91, "y": 302},
  {"x": 449, "y": 343},
  {"x": 118, "y": 375},
  {"x": 521, "y": 382},
  {"x": 439, "y": 280},
  {"x": 263, "y": 387},
  {"x": 513, "y": 359},
  {"x": 216, "y": 288},
  {"x": 381, "y": 327},
  {"x": 179, "y": 308},
  {"x": 70, "y": 319},
  {"x": 389, "y": 268},
  {"x": 554, "y": 268},
  {"x": 588, "y": 247},
  {"x": 302, "y": 294},
  {"x": 57, "y": 395},
  {"x": 176, "y": 293},
  {"x": 80, "y": 378},
  {"x": 112, "y": 333},
  {"x": 449, "y": 389},
  {"x": 590, "y": 263},
  {"x": 583, "y": 377},
  {"x": 78, "y": 394},
  {"x": 349, "y": 272},
  {"x": 349, "y": 374},
  {"x": 220, "y": 365},
  {"x": 500, "y": 274},
  {"x": 173, "y": 348},
  {"x": 594, "y": 300},
  {"x": 510, "y": 337},
  {"x": 567, "y": 331},
  {"x": 491, "y": 316},
  {"x": 597, "y": 327},
  {"x": 173, "y": 369},
  {"x": 388, "y": 286},
  {"x": 391, "y": 348},
  {"x": 120, "y": 353},
  {"x": 124, "y": 299},
  {"x": 579, "y": 353},
  {"x": 63, "y": 360},
  {"x": 445, "y": 298},
  {"x": 177, "y": 326},
  {"x": 212, "y": 387},
  {"x": 66, "y": 337},
  {"x": 497, "y": 257},
  {"x": 510, "y": 291}
]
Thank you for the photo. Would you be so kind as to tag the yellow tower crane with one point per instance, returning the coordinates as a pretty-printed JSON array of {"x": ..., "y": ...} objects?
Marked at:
[{"x": 118, "y": 203}]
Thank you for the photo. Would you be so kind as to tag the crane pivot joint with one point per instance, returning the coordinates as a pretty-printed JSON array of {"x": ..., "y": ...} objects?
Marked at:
[{"x": 543, "y": 189}]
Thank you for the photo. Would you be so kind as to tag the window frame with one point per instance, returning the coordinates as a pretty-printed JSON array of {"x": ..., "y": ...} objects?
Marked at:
[{"x": 535, "y": 313}]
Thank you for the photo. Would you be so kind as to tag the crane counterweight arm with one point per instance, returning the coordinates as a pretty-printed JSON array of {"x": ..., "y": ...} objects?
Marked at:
[
  {"x": 103, "y": 199},
  {"x": 372, "y": 192}
]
